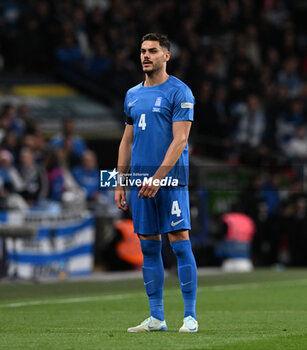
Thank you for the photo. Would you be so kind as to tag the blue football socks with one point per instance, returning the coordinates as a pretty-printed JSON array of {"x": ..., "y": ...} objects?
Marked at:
[
  {"x": 153, "y": 275},
  {"x": 187, "y": 272}
]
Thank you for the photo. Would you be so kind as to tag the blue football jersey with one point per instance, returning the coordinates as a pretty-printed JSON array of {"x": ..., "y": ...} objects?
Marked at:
[{"x": 152, "y": 110}]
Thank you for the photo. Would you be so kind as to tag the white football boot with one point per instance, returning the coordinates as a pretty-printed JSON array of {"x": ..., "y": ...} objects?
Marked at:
[
  {"x": 151, "y": 324},
  {"x": 190, "y": 325}
]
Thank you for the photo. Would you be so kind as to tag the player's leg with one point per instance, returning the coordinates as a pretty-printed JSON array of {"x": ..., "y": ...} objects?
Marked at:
[
  {"x": 153, "y": 273},
  {"x": 174, "y": 218},
  {"x": 187, "y": 272},
  {"x": 145, "y": 221}
]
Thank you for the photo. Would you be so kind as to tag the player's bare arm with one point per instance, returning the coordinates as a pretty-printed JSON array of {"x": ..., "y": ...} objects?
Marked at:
[
  {"x": 123, "y": 164},
  {"x": 181, "y": 131}
]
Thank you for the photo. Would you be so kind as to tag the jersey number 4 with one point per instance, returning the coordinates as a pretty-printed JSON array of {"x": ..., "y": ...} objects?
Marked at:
[
  {"x": 175, "y": 209},
  {"x": 142, "y": 122}
]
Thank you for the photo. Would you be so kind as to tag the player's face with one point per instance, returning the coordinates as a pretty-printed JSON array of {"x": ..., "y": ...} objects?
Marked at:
[{"x": 153, "y": 56}]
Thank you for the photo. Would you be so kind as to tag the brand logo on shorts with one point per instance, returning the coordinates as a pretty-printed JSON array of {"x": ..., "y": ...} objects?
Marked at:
[{"x": 176, "y": 222}]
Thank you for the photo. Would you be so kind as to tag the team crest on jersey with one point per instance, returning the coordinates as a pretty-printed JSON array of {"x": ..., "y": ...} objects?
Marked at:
[
  {"x": 157, "y": 105},
  {"x": 158, "y": 102}
]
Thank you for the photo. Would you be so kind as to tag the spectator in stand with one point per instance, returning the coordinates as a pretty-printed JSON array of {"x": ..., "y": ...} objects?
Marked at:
[
  {"x": 5, "y": 158},
  {"x": 9, "y": 172},
  {"x": 36, "y": 142},
  {"x": 288, "y": 122},
  {"x": 251, "y": 128},
  {"x": 11, "y": 13},
  {"x": 55, "y": 175},
  {"x": 80, "y": 30},
  {"x": 73, "y": 195},
  {"x": 101, "y": 61},
  {"x": 61, "y": 185},
  {"x": 253, "y": 50},
  {"x": 289, "y": 76},
  {"x": 13, "y": 123},
  {"x": 33, "y": 176},
  {"x": 220, "y": 64},
  {"x": 24, "y": 118},
  {"x": 73, "y": 145},
  {"x": 10, "y": 184},
  {"x": 276, "y": 12},
  {"x": 270, "y": 240},
  {"x": 4, "y": 126},
  {"x": 270, "y": 193},
  {"x": 296, "y": 148},
  {"x": 11, "y": 142},
  {"x": 69, "y": 54},
  {"x": 87, "y": 175}
]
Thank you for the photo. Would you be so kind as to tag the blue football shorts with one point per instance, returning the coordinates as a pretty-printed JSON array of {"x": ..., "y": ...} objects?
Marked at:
[{"x": 168, "y": 211}]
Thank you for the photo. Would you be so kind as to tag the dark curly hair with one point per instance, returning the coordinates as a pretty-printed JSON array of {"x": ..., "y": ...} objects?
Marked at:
[{"x": 163, "y": 40}]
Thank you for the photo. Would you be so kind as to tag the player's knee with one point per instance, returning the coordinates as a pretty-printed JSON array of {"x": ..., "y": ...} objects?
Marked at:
[
  {"x": 180, "y": 235},
  {"x": 181, "y": 248},
  {"x": 150, "y": 247}
]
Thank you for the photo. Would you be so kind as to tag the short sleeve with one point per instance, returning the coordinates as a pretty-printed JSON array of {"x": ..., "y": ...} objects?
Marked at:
[
  {"x": 183, "y": 105},
  {"x": 129, "y": 119}
]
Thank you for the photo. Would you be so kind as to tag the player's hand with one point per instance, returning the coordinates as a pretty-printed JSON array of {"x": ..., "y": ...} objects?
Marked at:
[
  {"x": 147, "y": 190},
  {"x": 120, "y": 198}
]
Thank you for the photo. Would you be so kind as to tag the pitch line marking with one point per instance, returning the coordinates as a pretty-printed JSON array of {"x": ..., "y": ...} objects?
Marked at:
[
  {"x": 220, "y": 288},
  {"x": 68, "y": 300}
]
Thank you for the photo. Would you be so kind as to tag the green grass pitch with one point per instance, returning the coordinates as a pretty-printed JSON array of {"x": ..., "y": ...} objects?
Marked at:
[{"x": 258, "y": 310}]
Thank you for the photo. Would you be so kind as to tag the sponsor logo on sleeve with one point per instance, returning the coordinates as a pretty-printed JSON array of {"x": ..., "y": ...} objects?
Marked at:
[{"x": 187, "y": 105}]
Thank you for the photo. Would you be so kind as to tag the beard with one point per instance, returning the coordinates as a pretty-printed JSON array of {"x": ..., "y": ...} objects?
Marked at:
[
  {"x": 149, "y": 70},
  {"x": 152, "y": 69}
]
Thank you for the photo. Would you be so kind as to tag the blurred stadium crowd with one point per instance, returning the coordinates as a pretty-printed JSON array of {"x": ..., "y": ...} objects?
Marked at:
[
  {"x": 33, "y": 170},
  {"x": 245, "y": 61}
]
